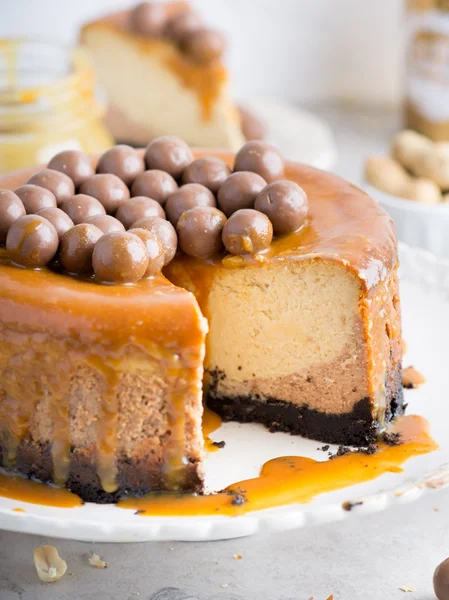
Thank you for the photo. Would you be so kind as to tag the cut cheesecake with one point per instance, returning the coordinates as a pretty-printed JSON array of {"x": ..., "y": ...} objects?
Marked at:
[
  {"x": 154, "y": 89},
  {"x": 101, "y": 385},
  {"x": 309, "y": 339}
]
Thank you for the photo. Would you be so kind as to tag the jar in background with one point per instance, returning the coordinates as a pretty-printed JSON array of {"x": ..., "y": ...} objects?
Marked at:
[
  {"x": 48, "y": 103},
  {"x": 427, "y": 68}
]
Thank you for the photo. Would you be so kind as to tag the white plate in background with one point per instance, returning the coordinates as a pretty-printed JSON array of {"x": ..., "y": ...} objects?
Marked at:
[
  {"x": 425, "y": 303},
  {"x": 299, "y": 135},
  {"x": 419, "y": 225}
]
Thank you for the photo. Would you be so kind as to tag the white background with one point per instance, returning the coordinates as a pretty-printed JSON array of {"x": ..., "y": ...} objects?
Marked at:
[{"x": 299, "y": 50}]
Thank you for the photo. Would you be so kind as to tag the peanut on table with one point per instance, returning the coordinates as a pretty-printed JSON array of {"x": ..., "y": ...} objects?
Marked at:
[{"x": 418, "y": 169}]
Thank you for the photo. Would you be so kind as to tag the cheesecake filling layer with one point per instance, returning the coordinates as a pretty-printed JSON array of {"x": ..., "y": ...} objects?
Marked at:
[{"x": 299, "y": 347}]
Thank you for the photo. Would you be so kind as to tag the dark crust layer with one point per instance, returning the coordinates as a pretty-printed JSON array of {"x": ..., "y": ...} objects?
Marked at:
[
  {"x": 356, "y": 428},
  {"x": 136, "y": 477}
]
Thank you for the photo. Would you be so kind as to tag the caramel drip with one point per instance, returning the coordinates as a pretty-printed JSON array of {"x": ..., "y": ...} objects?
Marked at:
[
  {"x": 48, "y": 385},
  {"x": 211, "y": 422},
  {"x": 412, "y": 379},
  {"x": 345, "y": 226},
  {"x": 85, "y": 319},
  {"x": 107, "y": 423},
  {"x": 175, "y": 456},
  {"x": 381, "y": 313},
  {"x": 10, "y": 445},
  {"x": 59, "y": 411},
  {"x": 19, "y": 488},
  {"x": 17, "y": 400},
  {"x": 184, "y": 372},
  {"x": 295, "y": 479},
  {"x": 196, "y": 278},
  {"x": 205, "y": 80}
]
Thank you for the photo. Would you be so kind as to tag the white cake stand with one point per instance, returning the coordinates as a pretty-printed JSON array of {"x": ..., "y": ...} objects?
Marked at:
[{"x": 425, "y": 302}]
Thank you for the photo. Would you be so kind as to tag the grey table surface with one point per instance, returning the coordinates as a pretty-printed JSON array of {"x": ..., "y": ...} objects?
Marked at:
[{"x": 366, "y": 558}]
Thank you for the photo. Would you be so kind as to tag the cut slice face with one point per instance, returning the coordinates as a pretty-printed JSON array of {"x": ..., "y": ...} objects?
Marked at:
[
  {"x": 307, "y": 338},
  {"x": 290, "y": 345}
]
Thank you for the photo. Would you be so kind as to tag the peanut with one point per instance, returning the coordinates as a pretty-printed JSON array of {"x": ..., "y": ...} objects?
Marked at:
[
  {"x": 408, "y": 148},
  {"x": 49, "y": 565},
  {"x": 422, "y": 157},
  {"x": 389, "y": 176},
  {"x": 423, "y": 190}
]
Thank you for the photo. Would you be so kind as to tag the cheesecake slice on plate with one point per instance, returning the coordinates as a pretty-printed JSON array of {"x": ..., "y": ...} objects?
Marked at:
[{"x": 163, "y": 73}]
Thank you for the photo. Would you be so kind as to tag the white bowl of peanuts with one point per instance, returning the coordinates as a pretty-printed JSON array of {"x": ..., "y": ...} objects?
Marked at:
[{"x": 412, "y": 185}]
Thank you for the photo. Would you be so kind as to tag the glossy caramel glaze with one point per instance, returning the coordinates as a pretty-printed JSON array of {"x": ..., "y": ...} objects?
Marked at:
[
  {"x": 151, "y": 309},
  {"x": 206, "y": 80},
  {"x": 412, "y": 379}
]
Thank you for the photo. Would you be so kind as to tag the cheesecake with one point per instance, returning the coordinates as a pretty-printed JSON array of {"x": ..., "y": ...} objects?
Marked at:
[
  {"x": 265, "y": 288},
  {"x": 163, "y": 74},
  {"x": 101, "y": 387},
  {"x": 307, "y": 341}
]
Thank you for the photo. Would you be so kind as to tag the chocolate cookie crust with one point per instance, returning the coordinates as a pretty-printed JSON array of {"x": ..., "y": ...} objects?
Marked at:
[{"x": 136, "y": 477}]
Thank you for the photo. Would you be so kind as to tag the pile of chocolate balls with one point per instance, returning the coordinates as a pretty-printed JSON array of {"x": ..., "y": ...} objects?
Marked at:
[{"x": 125, "y": 221}]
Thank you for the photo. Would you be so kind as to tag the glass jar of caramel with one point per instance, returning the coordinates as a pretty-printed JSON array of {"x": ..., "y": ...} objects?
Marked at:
[
  {"x": 427, "y": 68},
  {"x": 48, "y": 103}
]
